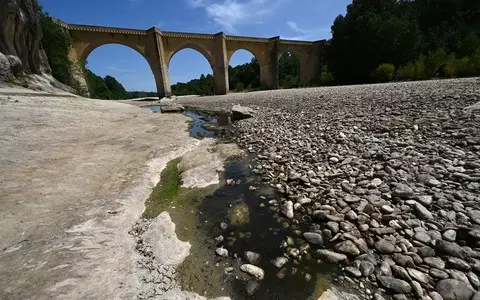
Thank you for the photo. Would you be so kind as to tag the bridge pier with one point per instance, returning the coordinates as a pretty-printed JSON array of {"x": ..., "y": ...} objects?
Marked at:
[
  {"x": 220, "y": 67},
  {"x": 160, "y": 67}
]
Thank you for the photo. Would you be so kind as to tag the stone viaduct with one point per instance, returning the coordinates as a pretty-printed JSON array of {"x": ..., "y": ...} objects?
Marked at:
[{"x": 158, "y": 48}]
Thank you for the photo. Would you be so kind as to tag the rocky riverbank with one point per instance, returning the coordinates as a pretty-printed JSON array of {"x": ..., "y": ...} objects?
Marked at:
[{"x": 386, "y": 176}]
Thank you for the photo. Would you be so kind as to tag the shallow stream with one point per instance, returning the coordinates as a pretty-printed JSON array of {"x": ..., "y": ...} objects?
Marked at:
[{"x": 242, "y": 202}]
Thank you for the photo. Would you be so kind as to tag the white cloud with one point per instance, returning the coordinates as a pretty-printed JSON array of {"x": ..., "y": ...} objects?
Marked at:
[
  {"x": 120, "y": 70},
  {"x": 196, "y": 3},
  {"x": 228, "y": 14},
  {"x": 305, "y": 34}
]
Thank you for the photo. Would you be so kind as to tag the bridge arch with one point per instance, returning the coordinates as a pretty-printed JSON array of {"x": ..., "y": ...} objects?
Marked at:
[
  {"x": 303, "y": 57},
  {"x": 194, "y": 46},
  {"x": 233, "y": 81},
  {"x": 126, "y": 64},
  {"x": 198, "y": 68}
]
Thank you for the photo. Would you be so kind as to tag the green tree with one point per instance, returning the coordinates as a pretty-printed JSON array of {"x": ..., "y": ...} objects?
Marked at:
[
  {"x": 116, "y": 88},
  {"x": 56, "y": 42}
]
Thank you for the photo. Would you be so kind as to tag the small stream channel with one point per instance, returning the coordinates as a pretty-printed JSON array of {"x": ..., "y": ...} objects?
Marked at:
[{"x": 241, "y": 201}]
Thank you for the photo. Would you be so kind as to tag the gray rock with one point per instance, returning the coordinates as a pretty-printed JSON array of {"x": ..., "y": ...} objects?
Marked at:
[
  {"x": 5, "y": 69},
  {"x": 222, "y": 252},
  {"x": 366, "y": 268},
  {"x": 333, "y": 226},
  {"x": 384, "y": 246},
  {"x": 422, "y": 237},
  {"x": 252, "y": 257},
  {"x": 330, "y": 256},
  {"x": 287, "y": 209},
  {"x": 252, "y": 287},
  {"x": 382, "y": 231},
  {"x": 423, "y": 212},
  {"x": 393, "y": 284},
  {"x": 475, "y": 233},
  {"x": 451, "y": 249},
  {"x": 279, "y": 262},
  {"x": 417, "y": 289},
  {"x": 476, "y": 296},
  {"x": 449, "y": 235},
  {"x": 426, "y": 251},
  {"x": 451, "y": 289},
  {"x": 347, "y": 247},
  {"x": 425, "y": 200},
  {"x": 172, "y": 108},
  {"x": 403, "y": 260},
  {"x": 435, "y": 296},
  {"x": 418, "y": 275},
  {"x": 457, "y": 263},
  {"x": 473, "y": 278},
  {"x": 428, "y": 180},
  {"x": 351, "y": 198},
  {"x": 241, "y": 112},
  {"x": 255, "y": 271},
  {"x": 385, "y": 269},
  {"x": 440, "y": 274},
  {"x": 354, "y": 272},
  {"x": 401, "y": 273},
  {"x": 313, "y": 238},
  {"x": 402, "y": 191},
  {"x": 434, "y": 262}
]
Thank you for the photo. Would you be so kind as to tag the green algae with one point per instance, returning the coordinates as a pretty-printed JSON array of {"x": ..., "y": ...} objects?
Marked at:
[{"x": 166, "y": 190}]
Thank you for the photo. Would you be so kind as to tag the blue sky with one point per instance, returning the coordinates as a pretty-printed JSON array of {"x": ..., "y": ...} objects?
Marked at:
[{"x": 290, "y": 19}]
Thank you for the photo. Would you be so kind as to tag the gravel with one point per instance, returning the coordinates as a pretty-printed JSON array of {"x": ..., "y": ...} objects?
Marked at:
[{"x": 396, "y": 166}]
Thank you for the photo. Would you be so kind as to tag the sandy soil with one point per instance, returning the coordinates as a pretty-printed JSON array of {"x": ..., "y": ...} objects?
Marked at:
[{"x": 74, "y": 177}]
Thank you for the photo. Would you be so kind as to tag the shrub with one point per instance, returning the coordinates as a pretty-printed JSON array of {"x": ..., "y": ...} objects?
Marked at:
[
  {"x": 420, "y": 69},
  {"x": 326, "y": 77},
  {"x": 239, "y": 87},
  {"x": 406, "y": 72},
  {"x": 384, "y": 72},
  {"x": 434, "y": 62}
]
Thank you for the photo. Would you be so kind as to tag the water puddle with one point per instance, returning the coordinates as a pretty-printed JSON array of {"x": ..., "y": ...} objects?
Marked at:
[
  {"x": 202, "y": 125},
  {"x": 154, "y": 108}
]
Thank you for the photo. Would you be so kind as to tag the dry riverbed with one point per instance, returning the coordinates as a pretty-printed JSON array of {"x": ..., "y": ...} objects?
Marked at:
[{"x": 74, "y": 180}]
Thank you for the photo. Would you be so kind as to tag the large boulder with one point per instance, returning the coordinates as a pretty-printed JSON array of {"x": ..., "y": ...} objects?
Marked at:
[
  {"x": 21, "y": 36},
  {"x": 172, "y": 108},
  {"x": 241, "y": 112},
  {"x": 5, "y": 69}
]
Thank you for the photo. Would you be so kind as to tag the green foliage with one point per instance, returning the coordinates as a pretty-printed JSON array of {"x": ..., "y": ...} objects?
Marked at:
[
  {"x": 116, "y": 88},
  {"x": 239, "y": 87},
  {"x": 56, "y": 43},
  {"x": 406, "y": 72},
  {"x": 418, "y": 36},
  {"x": 288, "y": 71},
  {"x": 326, "y": 77},
  {"x": 384, "y": 73},
  {"x": 244, "y": 77},
  {"x": 202, "y": 86},
  {"x": 434, "y": 61},
  {"x": 97, "y": 86}
]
